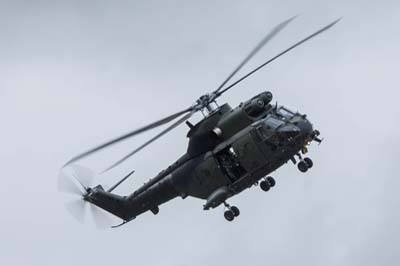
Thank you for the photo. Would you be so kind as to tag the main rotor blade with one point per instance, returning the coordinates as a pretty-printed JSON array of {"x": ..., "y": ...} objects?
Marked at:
[
  {"x": 260, "y": 45},
  {"x": 174, "y": 125},
  {"x": 101, "y": 218},
  {"x": 128, "y": 135},
  {"x": 279, "y": 55},
  {"x": 120, "y": 182}
]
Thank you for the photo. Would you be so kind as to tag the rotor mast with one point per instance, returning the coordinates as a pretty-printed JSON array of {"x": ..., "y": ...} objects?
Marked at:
[{"x": 207, "y": 104}]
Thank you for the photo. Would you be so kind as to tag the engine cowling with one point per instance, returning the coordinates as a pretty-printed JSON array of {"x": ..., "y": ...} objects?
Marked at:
[{"x": 257, "y": 104}]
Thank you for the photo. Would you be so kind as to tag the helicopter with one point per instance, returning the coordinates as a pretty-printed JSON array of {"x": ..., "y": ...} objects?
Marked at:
[{"x": 229, "y": 150}]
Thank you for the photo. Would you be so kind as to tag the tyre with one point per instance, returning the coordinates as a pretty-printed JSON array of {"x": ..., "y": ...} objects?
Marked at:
[
  {"x": 235, "y": 211},
  {"x": 271, "y": 181},
  {"x": 264, "y": 185},
  {"x": 302, "y": 166},
  {"x": 309, "y": 162},
  {"x": 229, "y": 215}
]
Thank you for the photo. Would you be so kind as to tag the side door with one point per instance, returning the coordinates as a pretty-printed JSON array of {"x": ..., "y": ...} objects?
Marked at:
[{"x": 248, "y": 152}]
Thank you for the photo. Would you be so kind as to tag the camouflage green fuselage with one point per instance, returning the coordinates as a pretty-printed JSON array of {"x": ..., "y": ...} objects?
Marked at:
[{"x": 229, "y": 151}]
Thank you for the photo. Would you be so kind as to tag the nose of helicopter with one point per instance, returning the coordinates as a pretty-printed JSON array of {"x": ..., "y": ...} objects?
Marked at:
[
  {"x": 289, "y": 130},
  {"x": 301, "y": 127},
  {"x": 305, "y": 127}
]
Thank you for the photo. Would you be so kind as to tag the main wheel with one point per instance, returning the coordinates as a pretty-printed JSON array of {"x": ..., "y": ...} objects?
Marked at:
[
  {"x": 302, "y": 166},
  {"x": 309, "y": 162},
  {"x": 271, "y": 181},
  {"x": 264, "y": 185},
  {"x": 235, "y": 211},
  {"x": 229, "y": 215}
]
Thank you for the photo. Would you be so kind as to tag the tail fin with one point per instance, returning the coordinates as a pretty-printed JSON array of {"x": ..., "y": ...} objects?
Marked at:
[{"x": 110, "y": 202}]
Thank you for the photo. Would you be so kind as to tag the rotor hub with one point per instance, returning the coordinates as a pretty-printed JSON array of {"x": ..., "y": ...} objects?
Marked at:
[{"x": 206, "y": 103}]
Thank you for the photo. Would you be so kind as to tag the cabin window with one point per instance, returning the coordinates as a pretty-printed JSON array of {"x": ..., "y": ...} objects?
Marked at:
[{"x": 285, "y": 113}]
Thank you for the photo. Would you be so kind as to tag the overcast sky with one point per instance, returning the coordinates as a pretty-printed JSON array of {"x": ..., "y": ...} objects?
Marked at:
[{"x": 76, "y": 73}]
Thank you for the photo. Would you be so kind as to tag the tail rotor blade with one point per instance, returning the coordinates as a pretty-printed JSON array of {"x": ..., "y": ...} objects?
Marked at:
[
  {"x": 100, "y": 217},
  {"x": 67, "y": 185},
  {"x": 77, "y": 208},
  {"x": 83, "y": 175},
  {"x": 75, "y": 179}
]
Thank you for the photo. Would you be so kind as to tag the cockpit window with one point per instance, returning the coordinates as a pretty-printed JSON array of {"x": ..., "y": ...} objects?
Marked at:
[
  {"x": 266, "y": 127},
  {"x": 272, "y": 122},
  {"x": 285, "y": 113}
]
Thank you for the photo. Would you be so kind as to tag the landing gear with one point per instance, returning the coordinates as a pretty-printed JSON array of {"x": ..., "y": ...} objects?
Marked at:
[
  {"x": 302, "y": 166},
  {"x": 267, "y": 183},
  {"x": 264, "y": 185},
  {"x": 229, "y": 215},
  {"x": 271, "y": 181},
  {"x": 309, "y": 162},
  {"x": 235, "y": 211},
  {"x": 231, "y": 212}
]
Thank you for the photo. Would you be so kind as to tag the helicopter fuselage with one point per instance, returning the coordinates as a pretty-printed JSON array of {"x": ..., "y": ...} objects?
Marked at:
[{"x": 229, "y": 150}]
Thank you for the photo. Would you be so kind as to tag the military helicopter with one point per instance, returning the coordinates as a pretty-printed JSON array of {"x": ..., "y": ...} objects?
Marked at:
[{"x": 229, "y": 150}]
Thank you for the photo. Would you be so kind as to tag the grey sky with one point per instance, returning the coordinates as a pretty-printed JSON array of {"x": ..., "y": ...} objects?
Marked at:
[{"x": 76, "y": 73}]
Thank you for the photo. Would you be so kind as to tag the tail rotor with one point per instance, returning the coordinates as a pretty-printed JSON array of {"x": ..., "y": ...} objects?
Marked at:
[{"x": 77, "y": 180}]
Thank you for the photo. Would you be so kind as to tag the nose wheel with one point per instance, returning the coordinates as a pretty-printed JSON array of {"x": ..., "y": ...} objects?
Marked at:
[
  {"x": 309, "y": 162},
  {"x": 305, "y": 164},
  {"x": 231, "y": 212}
]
